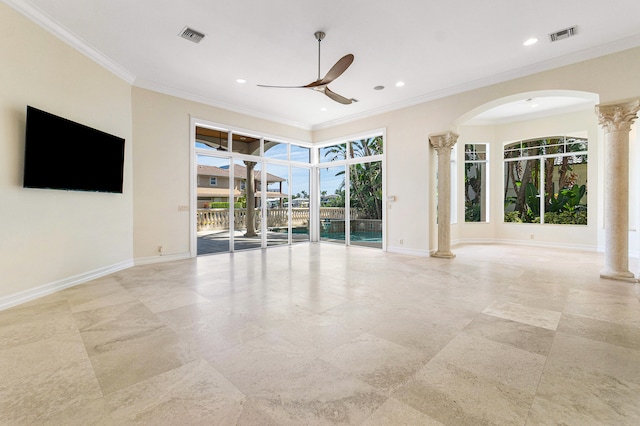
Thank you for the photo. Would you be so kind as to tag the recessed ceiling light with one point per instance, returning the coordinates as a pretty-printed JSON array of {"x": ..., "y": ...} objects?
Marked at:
[
  {"x": 323, "y": 109},
  {"x": 241, "y": 80},
  {"x": 530, "y": 42},
  {"x": 378, "y": 88},
  {"x": 400, "y": 84}
]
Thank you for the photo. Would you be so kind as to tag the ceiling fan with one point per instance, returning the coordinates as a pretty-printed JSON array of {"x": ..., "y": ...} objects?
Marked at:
[{"x": 322, "y": 84}]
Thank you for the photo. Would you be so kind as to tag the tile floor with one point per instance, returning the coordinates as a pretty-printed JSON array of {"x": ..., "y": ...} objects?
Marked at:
[{"x": 323, "y": 334}]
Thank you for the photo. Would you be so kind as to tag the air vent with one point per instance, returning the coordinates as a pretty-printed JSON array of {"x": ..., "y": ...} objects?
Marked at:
[
  {"x": 562, "y": 34},
  {"x": 191, "y": 35}
]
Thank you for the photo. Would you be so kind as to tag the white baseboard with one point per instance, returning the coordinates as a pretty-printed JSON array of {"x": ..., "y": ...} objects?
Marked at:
[
  {"x": 160, "y": 259},
  {"x": 409, "y": 252},
  {"x": 44, "y": 290},
  {"x": 577, "y": 247}
]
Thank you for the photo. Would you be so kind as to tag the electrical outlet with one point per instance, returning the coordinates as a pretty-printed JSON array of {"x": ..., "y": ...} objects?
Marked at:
[
  {"x": 533, "y": 236},
  {"x": 401, "y": 241},
  {"x": 160, "y": 249}
]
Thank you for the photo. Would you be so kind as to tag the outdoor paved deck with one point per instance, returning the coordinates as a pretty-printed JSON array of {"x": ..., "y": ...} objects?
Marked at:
[{"x": 211, "y": 242}]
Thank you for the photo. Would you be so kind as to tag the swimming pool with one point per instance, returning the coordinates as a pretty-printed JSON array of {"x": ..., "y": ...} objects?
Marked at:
[{"x": 369, "y": 237}]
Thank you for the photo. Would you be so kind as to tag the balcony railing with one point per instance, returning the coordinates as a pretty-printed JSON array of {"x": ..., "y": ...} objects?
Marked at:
[{"x": 214, "y": 219}]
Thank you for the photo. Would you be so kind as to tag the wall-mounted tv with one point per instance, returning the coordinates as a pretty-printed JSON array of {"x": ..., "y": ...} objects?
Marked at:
[{"x": 62, "y": 154}]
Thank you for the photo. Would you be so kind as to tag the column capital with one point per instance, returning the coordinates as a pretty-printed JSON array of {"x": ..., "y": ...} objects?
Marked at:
[
  {"x": 443, "y": 142},
  {"x": 618, "y": 117}
]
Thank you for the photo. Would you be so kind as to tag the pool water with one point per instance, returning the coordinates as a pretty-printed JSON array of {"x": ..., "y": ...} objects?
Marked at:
[{"x": 371, "y": 237}]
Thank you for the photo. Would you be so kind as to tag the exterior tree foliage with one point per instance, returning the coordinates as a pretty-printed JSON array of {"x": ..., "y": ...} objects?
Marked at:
[
  {"x": 365, "y": 179},
  {"x": 562, "y": 198}
]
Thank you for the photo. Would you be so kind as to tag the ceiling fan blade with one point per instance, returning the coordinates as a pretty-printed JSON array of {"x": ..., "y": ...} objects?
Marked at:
[
  {"x": 336, "y": 97},
  {"x": 337, "y": 70},
  {"x": 283, "y": 87}
]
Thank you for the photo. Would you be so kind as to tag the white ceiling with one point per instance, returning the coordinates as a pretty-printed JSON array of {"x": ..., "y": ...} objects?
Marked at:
[{"x": 436, "y": 47}]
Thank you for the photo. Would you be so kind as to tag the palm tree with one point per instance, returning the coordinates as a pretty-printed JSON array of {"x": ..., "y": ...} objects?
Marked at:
[{"x": 365, "y": 178}]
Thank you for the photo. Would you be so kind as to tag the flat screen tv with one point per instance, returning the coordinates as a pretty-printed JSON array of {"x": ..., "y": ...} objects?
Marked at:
[{"x": 62, "y": 154}]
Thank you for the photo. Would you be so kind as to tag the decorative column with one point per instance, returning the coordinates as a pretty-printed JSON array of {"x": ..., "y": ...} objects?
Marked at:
[
  {"x": 616, "y": 121},
  {"x": 443, "y": 143},
  {"x": 251, "y": 199}
]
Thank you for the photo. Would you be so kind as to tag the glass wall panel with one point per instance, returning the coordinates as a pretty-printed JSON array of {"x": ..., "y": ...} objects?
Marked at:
[
  {"x": 300, "y": 204},
  {"x": 247, "y": 216},
  {"x": 213, "y": 222},
  {"x": 475, "y": 183},
  {"x": 522, "y": 197},
  {"x": 566, "y": 190},
  {"x": 365, "y": 194},
  {"x": 275, "y": 150},
  {"x": 332, "y": 204},
  {"x": 366, "y": 147},
  {"x": 556, "y": 176},
  {"x": 300, "y": 154},
  {"x": 215, "y": 140},
  {"x": 277, "y": 211},
  {"x": 248, "y": 145},
  {"x": 333, "y": 153}
]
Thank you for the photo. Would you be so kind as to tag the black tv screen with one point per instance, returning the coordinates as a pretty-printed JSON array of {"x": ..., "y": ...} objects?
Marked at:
[{"x": 62, "y": 154}]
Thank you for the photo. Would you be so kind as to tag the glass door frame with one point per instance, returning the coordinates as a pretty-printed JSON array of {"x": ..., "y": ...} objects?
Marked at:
[
  {"x": 232, "y": 157},
  {"x": 347, "y": 163}
]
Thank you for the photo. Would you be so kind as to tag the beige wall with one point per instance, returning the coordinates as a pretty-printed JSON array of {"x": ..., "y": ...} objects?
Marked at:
[
  {"x": 161, "y": 163},
  {"x": 50, "y": 236}
]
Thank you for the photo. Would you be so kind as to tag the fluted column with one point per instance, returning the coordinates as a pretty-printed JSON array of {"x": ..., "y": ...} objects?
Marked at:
[
  {"x": 616, "y": 121},
  {"x": 443, "y": 143},
  {"x": 251, "y": 199}
]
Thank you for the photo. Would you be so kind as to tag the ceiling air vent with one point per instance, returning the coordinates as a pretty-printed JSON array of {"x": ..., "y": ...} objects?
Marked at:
[
  {"x": 191, "y": 35},
  {"x": 562, "y": 34}
]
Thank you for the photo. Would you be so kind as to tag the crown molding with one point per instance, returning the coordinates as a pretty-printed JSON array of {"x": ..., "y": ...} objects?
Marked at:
[
  {"x": 564, "y": 60},
  {"x": 182, "y": 94},
  {"x": 46, "y": 22}
]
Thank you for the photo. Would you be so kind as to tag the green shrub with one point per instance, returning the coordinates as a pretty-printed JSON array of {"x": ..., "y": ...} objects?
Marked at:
[
  {"x": 512, "y": 217},
  {"x": 566, "y": 217}
]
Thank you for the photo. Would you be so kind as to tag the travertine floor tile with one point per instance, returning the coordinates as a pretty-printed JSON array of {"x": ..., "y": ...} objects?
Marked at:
[
  {"x": 293, "y": 387},
  {"x": 194, "y": 393},
  {"x": 394, "y": 412},
  {"x": 455, "y": 396},
  {"x": 33, "y": 322},
  {"x": 524, "y": 336},
  {"x": 572, "y": 395},
  {"x": 47, "y": 393},
  {"x": 382, "y": 364},
  {"x": 324, "y": 334},
  {"x": 604, "y": 307},
  {"x": 97, "y": 294},
  {"x": 603, "y": 331},
  {"x": 140, "y": 359},
  {"x": 112, "y": 327},
  {"x": 537, "y": 317},
  {"x": 616, "y": 361}
]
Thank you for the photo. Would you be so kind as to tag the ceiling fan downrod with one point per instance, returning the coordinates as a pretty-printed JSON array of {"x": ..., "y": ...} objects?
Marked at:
[{"x": 319, "y": 35}]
